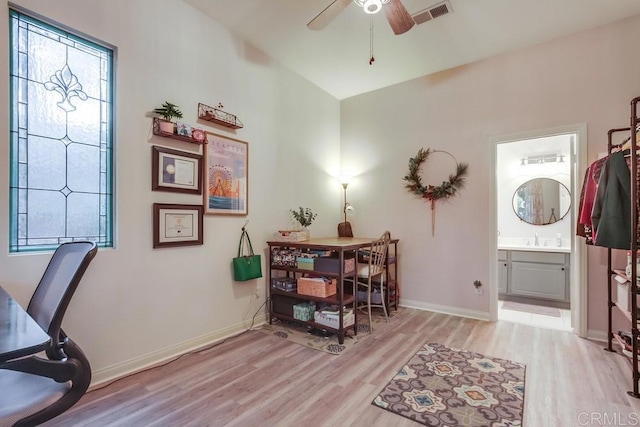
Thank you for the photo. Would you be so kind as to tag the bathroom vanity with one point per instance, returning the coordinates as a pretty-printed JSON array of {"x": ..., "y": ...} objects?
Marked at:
[{"x": 534, "y": 272}]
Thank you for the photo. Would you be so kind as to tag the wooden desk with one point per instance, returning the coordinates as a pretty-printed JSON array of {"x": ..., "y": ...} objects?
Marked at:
[
  {"x": 343, "y": 247},
  {"x": 20, "y": 335}
]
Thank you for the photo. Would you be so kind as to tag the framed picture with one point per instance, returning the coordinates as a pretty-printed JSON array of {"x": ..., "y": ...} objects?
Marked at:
[
  {"x": 176, "y": 171},
  {"x": 176, "y": 225},
  {"x": 226, "y": 175}
]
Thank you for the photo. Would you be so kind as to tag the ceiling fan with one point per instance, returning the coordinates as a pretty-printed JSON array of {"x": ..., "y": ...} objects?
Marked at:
[{"x": 397, "y": 15}]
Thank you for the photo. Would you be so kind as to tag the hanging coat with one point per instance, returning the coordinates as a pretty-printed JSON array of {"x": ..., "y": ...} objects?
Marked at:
[{"x": 611, "y": 215}]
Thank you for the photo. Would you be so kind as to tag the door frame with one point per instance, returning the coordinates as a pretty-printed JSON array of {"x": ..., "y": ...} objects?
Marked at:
[{"x": 578, "y": 273}]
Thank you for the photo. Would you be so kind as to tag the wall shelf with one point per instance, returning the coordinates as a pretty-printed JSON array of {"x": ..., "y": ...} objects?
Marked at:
[
  {"x": 216, "y": 115},
  {"x": 157, "y": 131}
]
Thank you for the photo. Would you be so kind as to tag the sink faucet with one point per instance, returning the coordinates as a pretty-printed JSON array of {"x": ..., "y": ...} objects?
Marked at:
[{"x": 536, "y": 243}]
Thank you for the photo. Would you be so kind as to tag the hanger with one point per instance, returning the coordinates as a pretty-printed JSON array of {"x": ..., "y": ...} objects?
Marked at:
[
  {"x": 245, "y": 225},
  {"x": 627, "y": 142}
]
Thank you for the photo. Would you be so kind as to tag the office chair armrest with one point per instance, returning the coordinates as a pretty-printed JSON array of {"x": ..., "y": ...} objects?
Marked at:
[
  {"x": 73, "y": 366},
  {"x": 58, "y": 370}
]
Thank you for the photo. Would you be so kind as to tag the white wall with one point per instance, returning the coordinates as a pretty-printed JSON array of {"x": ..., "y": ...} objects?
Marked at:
[
  {"x": 137, "y": 304},
  {"x": 585, "y": 78}
]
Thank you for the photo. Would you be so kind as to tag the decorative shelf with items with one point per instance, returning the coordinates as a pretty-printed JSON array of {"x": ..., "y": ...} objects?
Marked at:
[
  {"x": 624, "y": 281},
  {"x": 216, "y": 115},
  {"x": 194, "y": 136}
]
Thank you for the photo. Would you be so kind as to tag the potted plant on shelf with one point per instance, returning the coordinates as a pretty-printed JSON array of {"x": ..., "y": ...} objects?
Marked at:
[
  {"x": 304, "y": 217},
  {"x": 168, "y": 111}
]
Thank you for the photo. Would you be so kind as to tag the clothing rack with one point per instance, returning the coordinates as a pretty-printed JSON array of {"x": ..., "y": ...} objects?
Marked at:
[{"x": 633, "y": 247}]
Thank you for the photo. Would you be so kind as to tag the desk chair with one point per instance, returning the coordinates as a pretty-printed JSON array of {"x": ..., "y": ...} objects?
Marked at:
[
  {"x": 37, "y": 389},
  {"x": 367, "y": 272}
]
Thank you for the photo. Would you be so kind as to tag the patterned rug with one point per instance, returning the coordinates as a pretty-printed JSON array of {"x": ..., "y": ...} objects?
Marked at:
[
  {"x": 443, "y": 386},
  {"x": 300, "y": 334}
]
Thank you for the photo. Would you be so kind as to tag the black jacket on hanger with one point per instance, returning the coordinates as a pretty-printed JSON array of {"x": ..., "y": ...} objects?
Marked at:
[{"x": 611, "y": 215}]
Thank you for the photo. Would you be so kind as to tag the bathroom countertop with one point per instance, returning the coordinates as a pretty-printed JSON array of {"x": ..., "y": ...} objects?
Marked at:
[{"x": 533, "y": 248}]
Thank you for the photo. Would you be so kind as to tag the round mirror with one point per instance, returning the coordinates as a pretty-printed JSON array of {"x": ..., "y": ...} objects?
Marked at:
[{"x": 542, "y": 201}]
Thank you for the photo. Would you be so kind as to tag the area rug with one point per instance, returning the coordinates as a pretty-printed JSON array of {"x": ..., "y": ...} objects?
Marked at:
[
  {"x": 300, "y": 334},
  {"x": 443, "y": 386},
  {"x": 529, "y": 308}
]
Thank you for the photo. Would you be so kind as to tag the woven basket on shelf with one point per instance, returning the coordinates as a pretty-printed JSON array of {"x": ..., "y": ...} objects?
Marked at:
[{"x": 317, "y": 286}]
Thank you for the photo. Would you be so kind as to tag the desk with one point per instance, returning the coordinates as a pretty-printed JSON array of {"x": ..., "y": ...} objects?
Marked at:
[
  {"x": 344, "y": 247},
  {"x": 20, "y": 335}
]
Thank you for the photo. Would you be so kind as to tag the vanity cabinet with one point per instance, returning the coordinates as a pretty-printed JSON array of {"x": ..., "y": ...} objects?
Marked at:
[
  {"x": 543, "y": 275},
  {"x": 503, "y": 272}
]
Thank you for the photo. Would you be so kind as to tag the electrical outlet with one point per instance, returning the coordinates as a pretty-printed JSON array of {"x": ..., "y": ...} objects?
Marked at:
[{"x": 478, "y": 285}]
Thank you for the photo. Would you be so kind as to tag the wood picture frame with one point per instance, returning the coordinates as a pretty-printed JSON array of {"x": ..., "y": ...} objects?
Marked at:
[
  {"x": 176, "y": 171},
  {"x": 226, "y": 176},
  {"x": 177, "y": 225}
]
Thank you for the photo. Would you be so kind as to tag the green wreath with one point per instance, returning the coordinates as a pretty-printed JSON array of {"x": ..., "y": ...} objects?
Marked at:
[{"x": 431, "y": 192}]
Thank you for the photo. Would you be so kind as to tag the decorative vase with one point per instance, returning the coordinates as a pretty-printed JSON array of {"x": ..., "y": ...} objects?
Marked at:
[
  {"x": 166, "y": 126},
  {"x": 306, "y": 233}
]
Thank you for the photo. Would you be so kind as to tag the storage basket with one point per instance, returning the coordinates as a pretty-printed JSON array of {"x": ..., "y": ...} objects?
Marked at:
[
  {"x": 291, "y": 235},
  {"x": 317, "y": 286},
  {"x": 288, "y": 284},
  {"x": 285, "y": 257},
  {"x": 304, "y": 311},
  {"x": 332, "y": 265},
  {"x": 305, "y": 263},
  {"x": 623, "y": 294},
  {"x": 332, "y": 321},
  {"x": 376, "y": 297}
]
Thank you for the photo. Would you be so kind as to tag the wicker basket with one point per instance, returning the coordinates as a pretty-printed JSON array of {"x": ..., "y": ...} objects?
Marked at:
[
  {"x": 317, "y": 287},
  {"x": 291, "y": 235}
]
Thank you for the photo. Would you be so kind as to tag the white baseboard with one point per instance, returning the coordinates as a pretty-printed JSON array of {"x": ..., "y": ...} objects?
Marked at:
[
  {"x": 454, "y": 311},
  {"x": 595, "y": 335},
  {"x": 137, "y": 364}
]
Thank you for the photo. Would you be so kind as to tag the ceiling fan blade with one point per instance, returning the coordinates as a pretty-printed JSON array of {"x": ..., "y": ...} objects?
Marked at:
[
  {"x": 398, "y": 17},
  {"x": 328, "y": 14}
]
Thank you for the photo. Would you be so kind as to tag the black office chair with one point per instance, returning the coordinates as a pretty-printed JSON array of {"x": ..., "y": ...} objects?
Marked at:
[{"x": 35, "y": 389}]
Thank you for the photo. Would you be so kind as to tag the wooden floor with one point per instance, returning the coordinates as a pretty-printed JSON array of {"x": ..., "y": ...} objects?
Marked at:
[{"x": 259, "y": 380}]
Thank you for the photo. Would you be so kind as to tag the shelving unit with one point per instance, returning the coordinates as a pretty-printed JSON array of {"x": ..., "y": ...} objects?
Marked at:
[
  {"x": 344, "y": 299},
  {"x": 634, "y": 290},
  {"x": 157, "y": 131}
]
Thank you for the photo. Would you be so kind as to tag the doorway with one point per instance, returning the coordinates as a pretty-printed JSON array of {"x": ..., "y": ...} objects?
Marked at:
[{"x": 537, "y": 260}]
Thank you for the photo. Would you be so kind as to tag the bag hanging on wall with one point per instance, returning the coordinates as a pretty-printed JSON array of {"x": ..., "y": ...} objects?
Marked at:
[{"x": 246, "y": 267}]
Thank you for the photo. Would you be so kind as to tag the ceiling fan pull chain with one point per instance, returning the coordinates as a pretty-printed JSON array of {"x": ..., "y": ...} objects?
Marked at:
[{"x": 371, "y": 42}]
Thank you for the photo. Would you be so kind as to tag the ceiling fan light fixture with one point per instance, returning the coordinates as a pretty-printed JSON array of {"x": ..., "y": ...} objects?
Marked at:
[{"x": 371, "y": 6}]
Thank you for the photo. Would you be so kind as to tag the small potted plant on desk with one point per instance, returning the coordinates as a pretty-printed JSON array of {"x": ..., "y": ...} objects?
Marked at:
[{"x": 168, "y": 111}]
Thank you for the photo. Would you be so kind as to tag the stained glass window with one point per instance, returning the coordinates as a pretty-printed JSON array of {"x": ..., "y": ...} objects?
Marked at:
[{"x": 60, "y": 137}]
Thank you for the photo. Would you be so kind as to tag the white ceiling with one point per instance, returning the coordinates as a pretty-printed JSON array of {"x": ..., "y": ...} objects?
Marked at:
[{"x": 337, "y": 58}]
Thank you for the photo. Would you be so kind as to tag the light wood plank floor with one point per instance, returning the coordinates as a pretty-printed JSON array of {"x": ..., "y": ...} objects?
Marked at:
[{"x": 260, "y": 380}]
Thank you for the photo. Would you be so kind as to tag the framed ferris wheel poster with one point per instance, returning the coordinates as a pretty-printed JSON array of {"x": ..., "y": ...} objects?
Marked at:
[{"x": 226, "y": 178}]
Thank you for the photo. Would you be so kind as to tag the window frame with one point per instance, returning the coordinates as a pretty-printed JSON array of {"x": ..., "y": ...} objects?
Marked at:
[{"x": 107, "y": 239}]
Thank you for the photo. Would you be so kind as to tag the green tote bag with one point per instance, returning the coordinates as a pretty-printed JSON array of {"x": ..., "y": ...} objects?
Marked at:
[{"x": 246, "y": 267}]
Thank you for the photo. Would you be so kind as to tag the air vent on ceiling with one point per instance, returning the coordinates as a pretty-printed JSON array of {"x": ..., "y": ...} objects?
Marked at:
[{"x": 432, "y": 12}]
